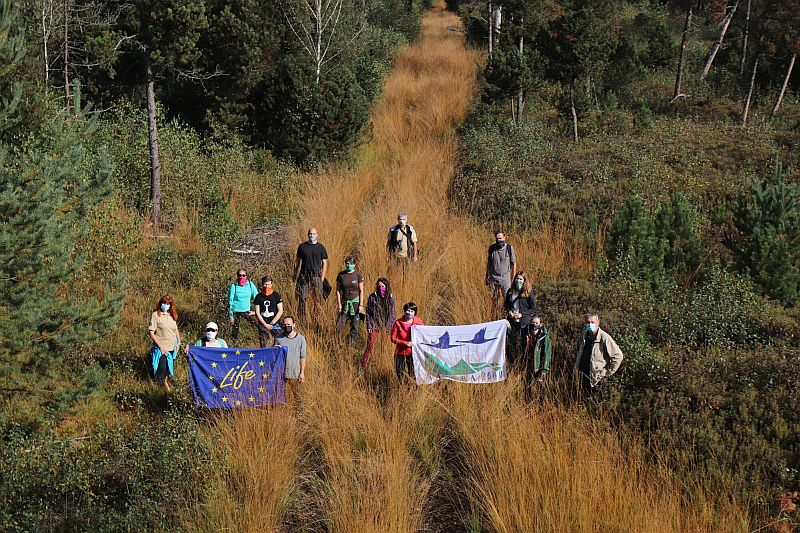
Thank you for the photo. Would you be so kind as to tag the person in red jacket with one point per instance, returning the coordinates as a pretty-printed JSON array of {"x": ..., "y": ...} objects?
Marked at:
[{"x": 401, "y": 336}]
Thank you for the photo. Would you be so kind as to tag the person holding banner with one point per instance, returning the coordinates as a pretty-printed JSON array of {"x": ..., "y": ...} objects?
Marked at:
[
  {"x": 520, "y": 306},
  {"x": 401, "y": 337},
  {"x": 163, "y": 331},
  {"x": 241, "y": 293},
  {"x": 297, "y": 347},
  {"x": 209, "y": 338},
  {"x": 380, "y": 316}
]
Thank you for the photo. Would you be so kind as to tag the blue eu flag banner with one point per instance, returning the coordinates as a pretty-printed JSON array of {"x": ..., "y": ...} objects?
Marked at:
[{"x": 237, "y": 377}]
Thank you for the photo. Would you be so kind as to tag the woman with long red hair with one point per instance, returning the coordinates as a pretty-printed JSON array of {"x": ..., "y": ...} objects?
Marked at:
[{"x": 163, "y": 330}]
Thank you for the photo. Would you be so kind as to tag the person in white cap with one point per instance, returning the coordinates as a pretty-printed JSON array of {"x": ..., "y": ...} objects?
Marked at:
[{"x": 209, "y": 339}]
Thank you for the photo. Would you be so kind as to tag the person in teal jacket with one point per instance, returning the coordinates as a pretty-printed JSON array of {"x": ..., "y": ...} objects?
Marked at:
[{"x": 240, "y": 297}]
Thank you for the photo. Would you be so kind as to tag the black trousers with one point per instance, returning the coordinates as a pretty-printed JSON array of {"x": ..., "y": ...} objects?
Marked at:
[
  {"x": 162, "y": 371},
  {"x": 237, "y": 318},
  {"x": 404, "y": 367},
  {"x": 517, "y": 343}
]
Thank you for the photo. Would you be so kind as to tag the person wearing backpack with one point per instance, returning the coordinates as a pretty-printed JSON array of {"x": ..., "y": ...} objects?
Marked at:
[
  {"x": 241, "y": 294},
  {"x": 402, "y": 243},
  {"x": 501, "y": 267}
]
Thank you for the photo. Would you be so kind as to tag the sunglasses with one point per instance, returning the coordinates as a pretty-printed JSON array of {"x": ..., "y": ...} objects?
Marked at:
[{"x": 210, "y": 329}]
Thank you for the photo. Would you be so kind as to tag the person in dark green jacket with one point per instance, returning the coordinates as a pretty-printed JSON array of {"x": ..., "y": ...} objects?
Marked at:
[{"x": 537, "y": 360}]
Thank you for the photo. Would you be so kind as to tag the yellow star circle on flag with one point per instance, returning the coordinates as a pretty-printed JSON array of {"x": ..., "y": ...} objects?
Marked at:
[
  {"x": 224, "y": 398},
  {"x": 238, "y": 402},
  {"x": 266, "y": 375},
  {"x": 261, "y": 390},
  {"x": 213, "y": 389},
  {"x": 211, "y": 378},
  {"x": 251, "y": 399},
  {"x": 252, "y": 355},
  {"x": 213, "y": 365},
  {"x": 238, "y": 352},
  {"x": 224, "y": 355},
  {"x": 261, "y": 363}
]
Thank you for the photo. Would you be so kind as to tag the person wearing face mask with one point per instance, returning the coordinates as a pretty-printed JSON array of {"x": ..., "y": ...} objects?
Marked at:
[
  {"x": 537, "y": 358},
  {"x": 598, "y": 357},
  {"x": 402, "y": 243},
  {"x": 241, "y": 294},
  {"x": 349, "y": 298},
  {"x": 380, "y": 316},
  {"x": 297, "y": 350},
  {"x": 209, "y": 338},
  {"x": 163, "y": 331},
  {"x": 269, "y": 309},
  {"x": 310, "y": 268},
  {"x": 501, "y": 267},
  {"x": 401, "y": 337},
  {"x": 520, "y": 306}
]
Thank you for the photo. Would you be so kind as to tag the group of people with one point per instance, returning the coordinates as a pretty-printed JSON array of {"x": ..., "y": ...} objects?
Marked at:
[{"x": 529, "y": 345}]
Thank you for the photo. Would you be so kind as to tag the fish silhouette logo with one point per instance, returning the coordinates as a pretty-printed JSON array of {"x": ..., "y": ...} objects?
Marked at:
[
  {"x": 443, "y": 343},
  {"x": 480, "y": 338}
]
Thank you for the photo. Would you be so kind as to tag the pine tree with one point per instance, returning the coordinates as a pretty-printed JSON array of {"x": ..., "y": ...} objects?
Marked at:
[
  {"x": 676, "y": 226},
  {"x": 48, "y": 184},
  {"x": 632, "y": 241},
  {"x": 768, "y": 247}
]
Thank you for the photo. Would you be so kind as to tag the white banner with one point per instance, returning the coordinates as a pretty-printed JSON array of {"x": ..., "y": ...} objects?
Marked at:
[{"x": 468, "y": 354}]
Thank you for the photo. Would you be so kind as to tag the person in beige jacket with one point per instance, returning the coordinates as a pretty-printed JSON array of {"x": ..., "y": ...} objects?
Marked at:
[{"x": 598, "y": 357}]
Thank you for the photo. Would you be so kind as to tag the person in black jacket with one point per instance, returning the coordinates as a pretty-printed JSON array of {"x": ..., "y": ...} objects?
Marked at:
[{"x": 520, "y": 306}]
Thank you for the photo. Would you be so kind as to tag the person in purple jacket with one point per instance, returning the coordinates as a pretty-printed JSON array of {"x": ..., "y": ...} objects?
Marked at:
[{"x": 380, "y": 316}]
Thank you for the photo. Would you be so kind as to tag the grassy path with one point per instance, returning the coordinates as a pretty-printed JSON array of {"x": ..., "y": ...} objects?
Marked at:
[{"x": 366, "y": 455}]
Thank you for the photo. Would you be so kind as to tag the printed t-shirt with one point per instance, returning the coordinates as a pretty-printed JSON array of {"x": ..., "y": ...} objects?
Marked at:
[
  {"x": 268, "y": 305},
  {"x": 165, "y": 329},
  {"x": 311, "y": 256},
  {"x": 347, "y": 283},
  {"x": 297, "y": 350}
]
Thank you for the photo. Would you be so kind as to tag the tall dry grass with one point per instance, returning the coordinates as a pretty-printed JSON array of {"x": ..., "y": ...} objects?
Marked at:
[{"x": 364, "y": 454}]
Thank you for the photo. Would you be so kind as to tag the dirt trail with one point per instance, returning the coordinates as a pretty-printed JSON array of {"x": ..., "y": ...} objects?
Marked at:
[{"x": 366, "y": 455}]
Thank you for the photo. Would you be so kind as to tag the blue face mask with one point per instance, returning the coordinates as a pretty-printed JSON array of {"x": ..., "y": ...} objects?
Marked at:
[
  {"x": 350, "y": 268},
  {"x": 165, "y": 308},
  {"x": 591, "y": 327}
]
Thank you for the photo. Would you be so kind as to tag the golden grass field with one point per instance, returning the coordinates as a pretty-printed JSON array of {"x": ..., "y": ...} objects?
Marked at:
[{"x": 365, "y": 454}]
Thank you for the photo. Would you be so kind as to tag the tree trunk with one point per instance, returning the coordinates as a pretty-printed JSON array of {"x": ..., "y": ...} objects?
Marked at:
[
  {"x": 45, "y": 37},
  {"x": 66, "y": 52},
  {"x": 318, "y": 37},
  {"x": 490, "y": 18},
  {"x": 718, "y": 43},
  {"x": 784, "y": 86},
  {"x": 497, "y": 20},
  {"x": 520, "y": 94},
  {"x": 750, "y": 93},
  {"x": 744, "y": 38},
  {"x": 572, "y": 109},
  {"x": 682, "y": 57},
  {"x": 155, "y": 160}
]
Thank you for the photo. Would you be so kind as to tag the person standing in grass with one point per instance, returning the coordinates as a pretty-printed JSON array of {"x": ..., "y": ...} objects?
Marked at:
[
  {"x": 163, "y": 331},
  {"x": 310, "y": 268},
  {"x": 297, "y": 351},
  {"x": 501, "y": 267},
  {"x": 241, "y": 294},
  {"x": 269, "y": 309},
  {"x": 597, "y": 357},
  {"x": 402, "y": 243},
  {"x": 520, "y": 306},
  {"x": 349, "y": 298},
  {"x": 380, "y": 316},
  {"x": 209, "y": 338},
  {"x": 401, "y": 337},
  {"x": 539, "y": 354}
]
